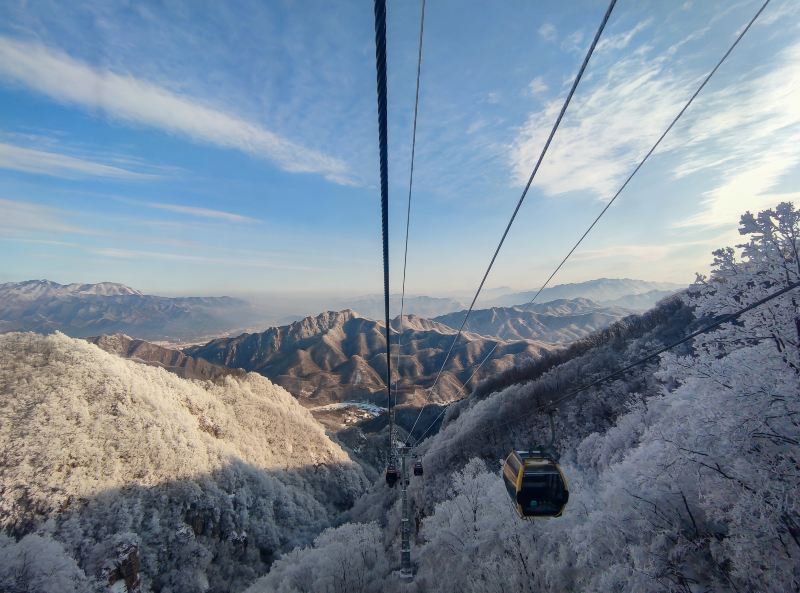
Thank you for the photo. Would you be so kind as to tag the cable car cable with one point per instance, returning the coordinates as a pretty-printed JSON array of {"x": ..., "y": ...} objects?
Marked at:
[
  {"x": 574, "y": 393},
  {"x": 380, "y": 67},
  {"x": 410, "y": 185},
  {"x": 550, "y": 137},
  {"x": 627, "y": 181}
]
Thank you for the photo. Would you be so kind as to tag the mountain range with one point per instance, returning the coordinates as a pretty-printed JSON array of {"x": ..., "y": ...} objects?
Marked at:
[
  {"x": 82, "y": 310},
  {"x": 605, "y": 291},
  {"x": 340, "y": 356},
  {"x": 555, "y": 322}
]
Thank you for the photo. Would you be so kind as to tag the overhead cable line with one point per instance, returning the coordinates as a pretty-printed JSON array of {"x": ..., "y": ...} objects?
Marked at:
[
  {"x": 410, "y": 185},
  {"x": 524, "y": 194},
  {"x": 627, "y": 181},
  {"x": 380, "y": 66},
  {"x": 574, "y": 393}
]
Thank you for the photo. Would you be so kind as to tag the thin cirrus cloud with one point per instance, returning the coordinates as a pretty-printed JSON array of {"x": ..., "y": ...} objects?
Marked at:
[
  {"x": 136, "y": 254},
  {"x": 41, "y": 162},
  {"x": 621, "y": 40},
  {"x": 744, "y": 135},
  {"x": 24, "y": 217},
  {"x": 650, "y": 251},
  {"x": 69, "y": 81},
  {"x": 202, "y": 212}
]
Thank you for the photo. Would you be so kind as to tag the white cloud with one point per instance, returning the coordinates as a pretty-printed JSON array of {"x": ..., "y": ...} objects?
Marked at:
[
  {"x": 609, "y": 125},
  {"x": 135, "y": 254},
  {"x": 537, "y": 87},
  {"x": 199, "y": 212},
  {"x": 621, "y": 40},
  {"x": 28, "y": 160},
  {"x": 547, "y": 32},
  {"x": 572, "y": 42},
  {"x": 66, "y": 80},
  {"x": 746, "y": 187},
  {"x": 477, "y": 126},
  {"x": 647, "y": 251},
  {"x": 748, "y": 133},
  {"x": 20, "y": 217}
]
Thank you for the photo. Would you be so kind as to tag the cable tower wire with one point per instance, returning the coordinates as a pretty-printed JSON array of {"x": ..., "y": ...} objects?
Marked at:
[
  {"x": 410, "y": 185},
  {"x": 522, "y": 197},
  {"x": 619, "y": 191}
]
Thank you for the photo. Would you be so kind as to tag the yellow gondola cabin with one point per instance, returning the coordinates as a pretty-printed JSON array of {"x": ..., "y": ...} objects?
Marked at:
[{"x": 535, "y": 483}]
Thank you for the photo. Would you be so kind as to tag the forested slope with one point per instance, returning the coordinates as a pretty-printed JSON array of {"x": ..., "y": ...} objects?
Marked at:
[
  {"x": 683, "y": 474},
  {"x": 120, "y": 471}
]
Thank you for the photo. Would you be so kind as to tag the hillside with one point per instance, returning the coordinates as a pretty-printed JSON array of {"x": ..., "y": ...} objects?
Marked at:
[
  {"x": 605, "y": 291},
  {"x": 134, "y": 474},
  {"x": 169, "y": 359},
  {"x": 340, "y": 356},
  {"x": 557, "y": 322},
  {"x": 82, "y": 310}
]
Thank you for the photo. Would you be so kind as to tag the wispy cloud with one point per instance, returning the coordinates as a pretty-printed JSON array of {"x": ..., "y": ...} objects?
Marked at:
[
  {"x": 198, "y": 212},
  {"x": 40, "y": 162},
  {"x": 608, "y": 126},
  {"x": 749, "y": 138},
  {"x": 573, "y": 42},
  {"x": 648, "y": 251},
  {"x": 69, "y": 81},
  {"x": 547, "y": 32},
  {"x": 20, "y": 216},
  {"x": 621, "y": 40},
  {"x": 744, "y": 135},
  {"x": 136, "y": 254},
  {"x": 537, "y": 87}
]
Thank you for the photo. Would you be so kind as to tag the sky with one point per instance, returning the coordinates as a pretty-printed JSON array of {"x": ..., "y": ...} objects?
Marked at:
[{"x": 188, "y": 147}]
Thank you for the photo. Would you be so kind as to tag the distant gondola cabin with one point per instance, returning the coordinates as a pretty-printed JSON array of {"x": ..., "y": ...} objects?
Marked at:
[
  {"x": 392, "y": 475},
  {"x": 535, "y": 483}
]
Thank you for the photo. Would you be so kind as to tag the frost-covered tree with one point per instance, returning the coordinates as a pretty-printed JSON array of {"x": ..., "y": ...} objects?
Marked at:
[
  {"x": 342, "y": 560},
  {"x": 195, "y": 486},
  {"x": 37, "y": 564}
]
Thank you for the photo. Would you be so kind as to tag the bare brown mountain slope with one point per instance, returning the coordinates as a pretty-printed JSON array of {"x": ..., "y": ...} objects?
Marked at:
[
  {"x": 340, "y": 356},
  {"x": 171, "y": 360}
]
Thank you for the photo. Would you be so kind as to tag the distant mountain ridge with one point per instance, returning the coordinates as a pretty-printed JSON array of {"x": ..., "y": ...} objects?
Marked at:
[
  {"x": 556, "y": 322},
  {"x": 82, "y": 310},
  {"x": 641, "y": 301},
  {"x": 38, "y": 289},
  {"x": 601, "y": 290},
  {"x": 339, "y": 356},
  {"x": 423, "y": 306}
]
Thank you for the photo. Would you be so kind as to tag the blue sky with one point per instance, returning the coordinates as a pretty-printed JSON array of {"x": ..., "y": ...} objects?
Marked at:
[{"x": 209, "y": 148}]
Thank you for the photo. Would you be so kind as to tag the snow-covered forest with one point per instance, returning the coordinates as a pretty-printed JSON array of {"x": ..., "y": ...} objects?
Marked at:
[
  {"x": 112, "y": 471},
  {"x": 684, "y": 474}
]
